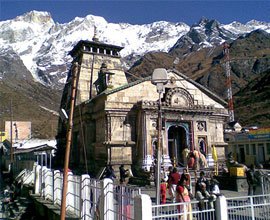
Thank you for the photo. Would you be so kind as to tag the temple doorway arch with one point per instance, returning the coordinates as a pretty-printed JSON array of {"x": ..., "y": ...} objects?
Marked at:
[{"x": 177, "y": 141}]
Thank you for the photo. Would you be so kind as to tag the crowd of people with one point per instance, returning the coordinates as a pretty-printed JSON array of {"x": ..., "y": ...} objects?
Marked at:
[{"x": 178, "y": 187}]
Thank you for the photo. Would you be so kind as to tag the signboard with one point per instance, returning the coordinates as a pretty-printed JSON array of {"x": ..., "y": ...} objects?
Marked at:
[{"x": 259, "y": 133}]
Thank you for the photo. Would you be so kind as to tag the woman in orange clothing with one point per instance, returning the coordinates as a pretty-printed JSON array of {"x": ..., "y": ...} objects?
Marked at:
[
  {"x": 183, "y": 196},
  {"x": 163, "y": 191}
]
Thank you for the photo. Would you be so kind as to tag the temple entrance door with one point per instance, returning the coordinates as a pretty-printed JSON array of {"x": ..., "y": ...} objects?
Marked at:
[{"x": 176, "y": 144}]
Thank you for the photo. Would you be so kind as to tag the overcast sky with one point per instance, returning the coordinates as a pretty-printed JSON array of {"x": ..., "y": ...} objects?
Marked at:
[{"x": 142, "y": 11}]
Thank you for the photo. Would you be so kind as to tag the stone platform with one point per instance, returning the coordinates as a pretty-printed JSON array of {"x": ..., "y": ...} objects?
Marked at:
[{"x": 234, "y": 183}]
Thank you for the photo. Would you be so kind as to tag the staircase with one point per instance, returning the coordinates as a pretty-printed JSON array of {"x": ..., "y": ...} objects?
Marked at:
[{"x": 18, "y": 208}]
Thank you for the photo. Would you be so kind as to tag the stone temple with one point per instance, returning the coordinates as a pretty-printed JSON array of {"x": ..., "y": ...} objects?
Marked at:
[{"x": 116, "y": 122}]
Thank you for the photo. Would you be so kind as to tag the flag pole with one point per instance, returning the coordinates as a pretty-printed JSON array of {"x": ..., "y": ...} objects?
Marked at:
[{"x": 68, "y": 141}]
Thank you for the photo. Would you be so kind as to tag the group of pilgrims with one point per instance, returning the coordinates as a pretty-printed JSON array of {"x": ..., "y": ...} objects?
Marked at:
[
  {"x": 195, "y": 159},
  {"x": 179, "y": 189}
]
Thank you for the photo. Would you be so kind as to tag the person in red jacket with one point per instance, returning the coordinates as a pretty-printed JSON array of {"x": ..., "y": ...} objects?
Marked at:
[
  {"x": 163, "y": 189},
  {"x": 173, "y": 180}
]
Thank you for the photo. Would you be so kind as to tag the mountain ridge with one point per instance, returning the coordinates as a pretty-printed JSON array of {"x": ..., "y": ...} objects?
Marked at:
[
  {"x": 34, "y": 55},
  {"x": 43, "y": 45}
]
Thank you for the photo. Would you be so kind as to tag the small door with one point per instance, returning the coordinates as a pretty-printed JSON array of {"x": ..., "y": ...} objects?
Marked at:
[
  {"x": 261, "y": 154},
  {"x": 176, "y": 143},
  {"x": 242, "y": 155}
]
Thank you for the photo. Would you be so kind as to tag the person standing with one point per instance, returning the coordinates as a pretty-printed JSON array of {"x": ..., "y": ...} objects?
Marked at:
[
  {"x": 197, "y": 159},
  {"x": 182, "y": 195},
  {"x": 163, "y": 190},
  {"x": 173, "y": 180},
  {"x": 185, "y": 154},
  {"x": 123, "y": 174},
  {"x": 110, "y": 172},
  {"x": 191, "y": 161},
  {"x": 251, "y": 180}
]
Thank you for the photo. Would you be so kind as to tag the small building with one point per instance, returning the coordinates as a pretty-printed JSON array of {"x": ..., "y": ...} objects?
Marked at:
[
  {"x": 17, "y": 130},
  {"x": 115, "y": 121},
  {"x": 39, "y": 151},
  {"x": 22, "y": 151},
  {"x": 249, "y": 145},
  {"x": 28, "y": 152}
]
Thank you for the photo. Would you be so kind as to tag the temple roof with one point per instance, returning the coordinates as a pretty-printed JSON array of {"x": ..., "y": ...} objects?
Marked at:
[
  {"x": 96, "y": 44},
  {"x": 201, "y": 87}
]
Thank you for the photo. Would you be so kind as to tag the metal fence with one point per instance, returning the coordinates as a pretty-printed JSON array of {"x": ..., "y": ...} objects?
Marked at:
[
  {"x": 265, "y": 183},
  {"x": 87, "y": 198},
  {"x": 236, "y": 208},
  {"x": 249, "y": 207},
  {"x": 196, "y": 210},
  {"x": 90, "y": 197},
  {"x": 124, "y": 201}
]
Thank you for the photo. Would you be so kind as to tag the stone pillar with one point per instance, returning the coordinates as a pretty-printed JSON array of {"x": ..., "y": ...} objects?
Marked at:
[
  {"x": 147, "y": 159},
  {"x": 106, "y": 200},
  {"x": 142, "y": 207},
  {"x": 57, "y": 187},
  {"x": 43, "y": 178},
  {"x": 48, "y": 184},
  {"x": 210, "y": 160},
  {"x": 221, "y": 208},
  {"x": 166, "y": 161},
  {"x": 85, "y": 195},
  {"x": 37, "y": 179},
  {"x": 147, "y": 162},
  {"x": 165, "y": 158}
]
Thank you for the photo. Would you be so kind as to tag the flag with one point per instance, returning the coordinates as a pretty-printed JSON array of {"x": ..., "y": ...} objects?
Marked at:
[{"x": 214, "y": 153}]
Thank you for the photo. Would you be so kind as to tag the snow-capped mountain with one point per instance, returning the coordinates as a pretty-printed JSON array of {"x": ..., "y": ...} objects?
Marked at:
[
  {"x": 43, "y": 45},
  {"x": 209, "y": 33}
]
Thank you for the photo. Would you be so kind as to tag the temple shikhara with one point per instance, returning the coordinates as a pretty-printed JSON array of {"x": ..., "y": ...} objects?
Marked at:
[{"x": 116, "y": 122}]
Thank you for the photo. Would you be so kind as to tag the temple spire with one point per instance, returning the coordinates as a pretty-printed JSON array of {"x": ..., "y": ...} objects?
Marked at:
[{"x": 95, "y": 38}]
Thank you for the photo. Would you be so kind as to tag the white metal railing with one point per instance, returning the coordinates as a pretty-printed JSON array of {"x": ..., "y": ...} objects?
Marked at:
[
  {"x": 249, "y": 207},
  {"x": 188, "y": 210},
  {"x": 83, "y": 194},
  {"x": 90, "y": 193},
  {"x": 124, "y": 201},
  {"x": 93, "y": 199},
  {"x": 87, "y": 198}
]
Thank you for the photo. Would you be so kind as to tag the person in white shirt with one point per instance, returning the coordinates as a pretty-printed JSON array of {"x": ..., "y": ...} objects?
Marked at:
[{"x": 214, "y": 188}]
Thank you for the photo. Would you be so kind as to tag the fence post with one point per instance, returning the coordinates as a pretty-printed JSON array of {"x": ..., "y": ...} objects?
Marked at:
[
  {"x": 70, "y": 197},
  {"x": 85, "y": 197},
  {"x": 38, "y": 179},
  {"x": 94, "y": 187},
  {"x": 221, "y": 208},
  {"x": 106, "y": 200},
  {"x": 48, "y": 182},
  {"x": 142, "y": 207},
  {"x": 43, "y": 178},
  {"x": 57, "y": 187}
]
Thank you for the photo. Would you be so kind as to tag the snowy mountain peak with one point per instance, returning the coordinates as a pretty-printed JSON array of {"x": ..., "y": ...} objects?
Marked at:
[
  {"x": 37, "y": 17},
  {"x": 43, "y": 45}
]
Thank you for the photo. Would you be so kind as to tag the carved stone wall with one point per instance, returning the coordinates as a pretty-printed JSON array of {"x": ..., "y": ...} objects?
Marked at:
[
  {"x": 89, "y": 69},
  {"x": 125, "y": 119}
]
